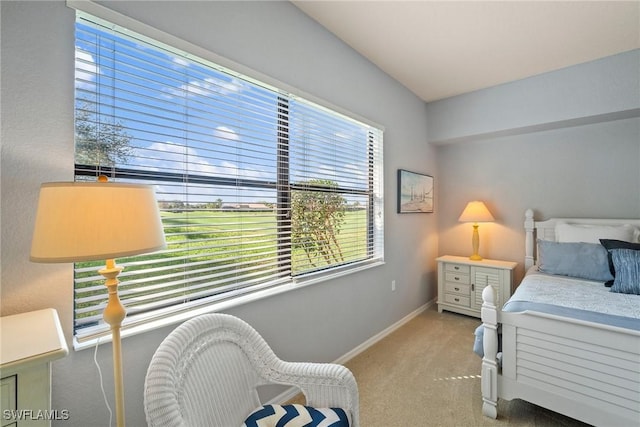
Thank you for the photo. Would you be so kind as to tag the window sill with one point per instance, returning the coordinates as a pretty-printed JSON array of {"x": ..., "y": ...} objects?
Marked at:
[{"x": 139, "y": 327}]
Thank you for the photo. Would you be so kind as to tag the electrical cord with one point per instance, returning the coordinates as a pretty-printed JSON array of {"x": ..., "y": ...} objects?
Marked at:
[{"x": 104, "y": 395}]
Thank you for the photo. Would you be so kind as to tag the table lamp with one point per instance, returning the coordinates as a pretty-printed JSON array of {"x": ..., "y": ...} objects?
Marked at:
[
  {"x": 85, "y": 221},
  {"x": 475, "y": 212}
]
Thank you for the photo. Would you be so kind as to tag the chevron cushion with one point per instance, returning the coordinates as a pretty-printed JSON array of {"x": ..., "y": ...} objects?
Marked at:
[{"x": 296, "y": 416}]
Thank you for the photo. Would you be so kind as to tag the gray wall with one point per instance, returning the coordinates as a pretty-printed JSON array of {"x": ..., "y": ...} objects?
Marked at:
[
  {"x": 590, "y": 150},
  {"x": 320, "y": 322},
  {"x": 565, "y": 143}
]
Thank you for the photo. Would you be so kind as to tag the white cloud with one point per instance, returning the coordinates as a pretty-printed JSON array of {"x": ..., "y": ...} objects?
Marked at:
[
  {"x": 86, "y": 69},
  {"x": 207, "y": 87},
  {"x": 171, "y": 157},
  {"x": 226, "y": 133},
  {"x": 181, "y": 61}
]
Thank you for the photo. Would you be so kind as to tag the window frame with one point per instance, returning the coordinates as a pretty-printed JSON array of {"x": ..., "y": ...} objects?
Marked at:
[{"x": 375, "y": 219}]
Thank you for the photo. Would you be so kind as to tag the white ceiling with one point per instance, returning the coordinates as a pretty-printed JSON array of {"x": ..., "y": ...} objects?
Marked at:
[{"x": 439, "y": 49}]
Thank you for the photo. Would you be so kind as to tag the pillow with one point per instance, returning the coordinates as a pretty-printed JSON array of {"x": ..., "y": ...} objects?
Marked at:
[
  {"x": 478, "y": 346},
  {"x": 296, "y": 416},
  {"x": 627, "y": 264},
  {"x": 592, "y": 233},
  {"x": 616, "y": 244},
  {"x": 576, "y": 259}
]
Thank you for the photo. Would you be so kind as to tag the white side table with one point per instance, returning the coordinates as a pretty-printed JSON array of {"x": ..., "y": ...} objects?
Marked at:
[
  {"x": 461, "y": 282},
  {"x": 29, "y": 342}
]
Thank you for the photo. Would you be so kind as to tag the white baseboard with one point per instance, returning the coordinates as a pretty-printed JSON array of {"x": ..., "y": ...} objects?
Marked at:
[
  {"x": 377, "y": 337},
  {"x": 293, "y": 391}
]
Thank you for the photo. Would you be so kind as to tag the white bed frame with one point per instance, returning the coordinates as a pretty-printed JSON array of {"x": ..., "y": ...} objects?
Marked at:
[{"x": 587, "y": 371}]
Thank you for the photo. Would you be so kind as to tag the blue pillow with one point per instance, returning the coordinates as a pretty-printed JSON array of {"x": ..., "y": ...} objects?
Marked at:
[
  {"x": 610, "y": 244},
  {"x": 576, "y": 259},
  {"x": 627, "y": 265},
  {"x": 296, "y": 415}
]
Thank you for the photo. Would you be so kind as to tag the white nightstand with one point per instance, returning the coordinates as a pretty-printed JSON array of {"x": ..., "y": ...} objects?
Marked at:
[
  {"x": 461, "y": 281},
  {"x": 29, "y": 342}
]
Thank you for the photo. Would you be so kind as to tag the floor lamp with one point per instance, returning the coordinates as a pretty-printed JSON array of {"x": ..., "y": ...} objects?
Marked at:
[
  {"x": 475, "y": 212},
  {"x": 86, "y": 221}
]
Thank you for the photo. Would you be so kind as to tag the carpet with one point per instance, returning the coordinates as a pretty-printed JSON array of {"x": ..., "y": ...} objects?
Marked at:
[{"x": 425, "y": 374}]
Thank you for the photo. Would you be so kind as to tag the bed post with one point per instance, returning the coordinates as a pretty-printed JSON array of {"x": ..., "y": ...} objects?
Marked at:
[
  {"x": 528, "y": 239},
  {"x": 489, "y": 371}
]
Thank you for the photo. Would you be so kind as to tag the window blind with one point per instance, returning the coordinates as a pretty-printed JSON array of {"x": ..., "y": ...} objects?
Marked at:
[{"x": 256, "y": 186}]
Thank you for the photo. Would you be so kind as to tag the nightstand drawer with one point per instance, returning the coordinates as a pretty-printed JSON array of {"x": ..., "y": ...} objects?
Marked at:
[
  {"x": 457, "y": 268},
  {"x": 8, "y": 394},
  {"x": 8, "y": 387},
  {"x": 457, "y": 278},
  {"x": 457, "y": 288},
  {"x": 458, "y": 300}
]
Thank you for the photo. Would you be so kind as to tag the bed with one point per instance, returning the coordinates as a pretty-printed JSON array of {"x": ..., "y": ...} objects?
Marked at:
[{"x": 580, "y": 358}]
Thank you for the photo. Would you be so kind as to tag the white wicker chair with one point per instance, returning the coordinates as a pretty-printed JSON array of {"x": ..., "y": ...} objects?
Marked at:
[{"x": 205, "y": 373}]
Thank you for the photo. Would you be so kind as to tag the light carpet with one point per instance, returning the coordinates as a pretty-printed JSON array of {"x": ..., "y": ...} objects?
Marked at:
[{"x": 425, "y": 374}]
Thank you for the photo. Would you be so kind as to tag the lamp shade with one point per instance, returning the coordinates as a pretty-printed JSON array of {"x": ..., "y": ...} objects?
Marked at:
[
  {"x": 476, "y": 211},
  {"x": 83, "y": 221}
]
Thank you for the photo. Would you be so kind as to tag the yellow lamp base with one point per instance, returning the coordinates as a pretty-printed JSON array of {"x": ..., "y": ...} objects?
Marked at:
[{"x": 475, "y": 242}]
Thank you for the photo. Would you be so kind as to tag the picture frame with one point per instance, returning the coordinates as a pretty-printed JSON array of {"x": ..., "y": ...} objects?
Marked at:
[{"x": 415, "y": 192}]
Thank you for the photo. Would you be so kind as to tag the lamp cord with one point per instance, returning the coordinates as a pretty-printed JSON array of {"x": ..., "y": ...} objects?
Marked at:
[{"x": 104, "y": 394}]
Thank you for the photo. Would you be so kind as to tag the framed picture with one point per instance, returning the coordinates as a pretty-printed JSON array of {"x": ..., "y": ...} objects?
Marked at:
[{"x": 415, "y": 192}]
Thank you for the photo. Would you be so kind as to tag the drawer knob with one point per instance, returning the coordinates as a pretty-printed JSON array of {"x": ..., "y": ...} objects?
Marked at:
[
  {"x": 457, "y": 299},
  {"x": 456, "y": 268},
  {"x": 456, "y": 278},
  {"x": 457, "y": 289}
]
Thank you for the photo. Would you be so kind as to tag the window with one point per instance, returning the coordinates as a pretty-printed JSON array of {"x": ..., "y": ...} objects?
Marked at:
[{"x": 257, "y": 186}]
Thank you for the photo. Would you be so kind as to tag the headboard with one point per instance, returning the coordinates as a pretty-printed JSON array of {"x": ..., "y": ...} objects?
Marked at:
[{"x": 546, "y": 230}]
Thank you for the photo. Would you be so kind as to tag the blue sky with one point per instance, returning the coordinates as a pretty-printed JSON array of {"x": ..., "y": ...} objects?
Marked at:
[{"x": 231, "y": 126}]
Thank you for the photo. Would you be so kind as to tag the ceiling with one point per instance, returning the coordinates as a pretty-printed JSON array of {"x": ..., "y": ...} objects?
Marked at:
[{"x": 439, "y": 49}]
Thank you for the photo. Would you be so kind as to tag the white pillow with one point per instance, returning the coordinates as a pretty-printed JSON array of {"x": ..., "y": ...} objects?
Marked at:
[{"x": 592, "y": 233}]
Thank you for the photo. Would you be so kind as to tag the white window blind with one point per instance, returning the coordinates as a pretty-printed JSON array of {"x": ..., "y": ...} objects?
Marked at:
[{"x": 256, "y": 186}]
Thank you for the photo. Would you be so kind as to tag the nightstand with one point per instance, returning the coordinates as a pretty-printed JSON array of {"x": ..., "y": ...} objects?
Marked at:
[
  {"x": 461, "y": 281},
  {"x": 29, "y": 342}
]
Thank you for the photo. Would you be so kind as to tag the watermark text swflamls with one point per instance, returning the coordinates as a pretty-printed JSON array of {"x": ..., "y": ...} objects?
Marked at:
[{"x": 35, "y": 414}]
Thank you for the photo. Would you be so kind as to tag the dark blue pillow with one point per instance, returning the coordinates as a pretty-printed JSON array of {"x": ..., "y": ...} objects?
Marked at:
[
  {"x": 627, "y": 265},
  {"x": 610, "y": 244}
]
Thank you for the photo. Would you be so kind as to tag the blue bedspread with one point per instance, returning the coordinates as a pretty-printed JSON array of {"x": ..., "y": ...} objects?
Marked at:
[{"x": 576, "y": 298}]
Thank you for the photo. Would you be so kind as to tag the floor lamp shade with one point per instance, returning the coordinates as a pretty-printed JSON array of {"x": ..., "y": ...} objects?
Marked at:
[
  {"x": 82, "y": 221},
  {"x": 86, "y": 221},
  {"x": 475, "y": 212}
]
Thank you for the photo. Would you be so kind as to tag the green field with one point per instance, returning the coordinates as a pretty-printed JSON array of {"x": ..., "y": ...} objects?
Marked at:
[
  {"x": 212, "y": 250},
  {"x": 208, "y": 233}
]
